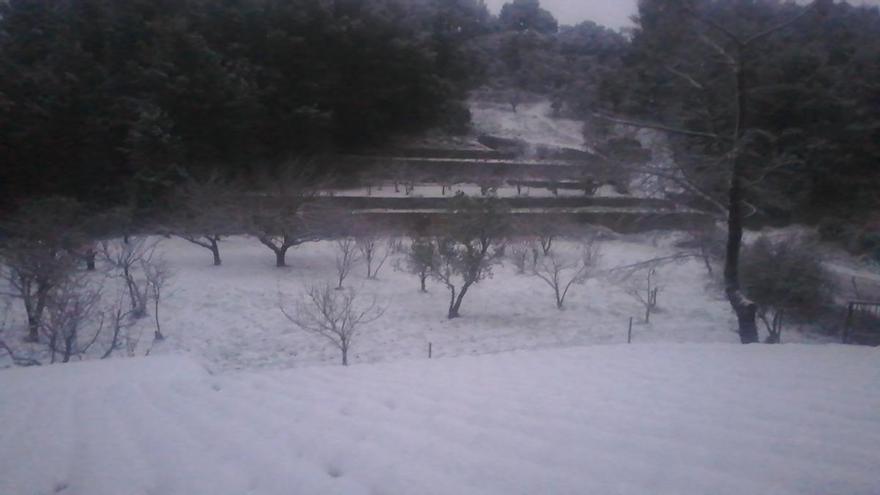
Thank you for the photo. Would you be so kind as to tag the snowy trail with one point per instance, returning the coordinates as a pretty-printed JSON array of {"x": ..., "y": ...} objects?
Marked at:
[{"x": 661, "y": 419}]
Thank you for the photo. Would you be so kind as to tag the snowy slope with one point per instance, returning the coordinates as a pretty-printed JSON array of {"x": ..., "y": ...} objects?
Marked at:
[
  {"x": 642, "y": 419},
  {"x": 533, "y": 123}
]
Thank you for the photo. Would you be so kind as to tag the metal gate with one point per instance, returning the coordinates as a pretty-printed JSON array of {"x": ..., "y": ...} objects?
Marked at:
[{"x": 862, "y": 323}]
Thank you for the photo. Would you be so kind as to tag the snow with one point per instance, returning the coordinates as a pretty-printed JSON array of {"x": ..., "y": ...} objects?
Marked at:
[
  {"x": 228, "y": 316},
  {"x": 429, "y": 190},
  {"x": 655, "y": 418},
  {"x": 533, "y": 123}
]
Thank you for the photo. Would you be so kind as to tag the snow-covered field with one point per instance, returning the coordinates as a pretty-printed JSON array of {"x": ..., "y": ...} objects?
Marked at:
[
  {"x": 228, "y": 316},
  {"x": 641, "y": 419}
]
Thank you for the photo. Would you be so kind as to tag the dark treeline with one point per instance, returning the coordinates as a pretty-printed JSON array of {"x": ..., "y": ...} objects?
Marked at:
[
  {"x": 113, "y": 101},
  {"x": 812, "y": 115},
  {"x": 105, "y": 99}
]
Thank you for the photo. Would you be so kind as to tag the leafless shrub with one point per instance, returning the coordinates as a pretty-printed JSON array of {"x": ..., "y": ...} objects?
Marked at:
[
  {"x": 125, "y": 259},
  {"x": 33, "y": 270},
  {"x": 118, "y": 321},
  {"x": 37, "y": 255},
  {"x": 4, "y": 347},
  {"x": 71, "y": 307},
  {"x": 707, "y": 242},
  {"x": 519, "y": 253},
  {"x": 346, "y": 258},
  {"x": 334, "y": 315},
  {"x": 560, "y": 272},
  {"x": 157, "y": 275},
  {"x": 374, "y": 253},
  {"x": 642, "y": 285}
]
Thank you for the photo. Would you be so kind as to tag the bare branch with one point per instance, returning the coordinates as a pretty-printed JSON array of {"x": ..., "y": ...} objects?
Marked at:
[
  {"x": 763, "y": 34},
  {"x": 659, "y": 127},
  {"x": 690, "y": 80},
  {"x": 332, "y": 314}
]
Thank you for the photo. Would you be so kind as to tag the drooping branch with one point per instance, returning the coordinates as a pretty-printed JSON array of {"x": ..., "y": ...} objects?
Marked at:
[{"x": 657, "y": 126}]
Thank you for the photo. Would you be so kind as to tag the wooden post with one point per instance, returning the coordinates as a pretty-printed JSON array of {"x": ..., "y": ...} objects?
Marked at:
[
  {"x": 629, "y": 333},
  {"x": 429, "y": 350}
]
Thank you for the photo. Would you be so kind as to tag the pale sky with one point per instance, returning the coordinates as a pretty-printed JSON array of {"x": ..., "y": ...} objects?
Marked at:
[{"x": 609, "y": 13}]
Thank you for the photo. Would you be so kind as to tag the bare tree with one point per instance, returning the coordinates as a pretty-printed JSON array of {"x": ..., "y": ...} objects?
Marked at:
[
  {"x": 560, "y": 272},
  {"x": 281, "y": 220},
  {"x": 32, "y": 271},
  {"x": 208, "y": 211},
  {"x": 101, "y": 225},
  {"x": 642, "y": 286},
  {"x": 473, "y": 244},
  {"x": 118, "y": 320},
  {"x": 71, "y": 306},
  {"x": 374, "y": 253},
  {"x": 157, "y": 275},
  {"x": 16, "y": 359},
  {"x": 36, "y": 258},
  {"x": 519, "y": 254},
  {"x": 707, "y": 242},
  {"x": 346, "y": 258},
  {"x": 418, "y": 259},
  {"x": 125, "y": 259},
  {"x": 334, "y": 315}
]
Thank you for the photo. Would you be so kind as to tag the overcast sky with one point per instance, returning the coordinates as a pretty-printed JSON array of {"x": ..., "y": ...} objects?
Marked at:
[{"x": 610, "y": 13}]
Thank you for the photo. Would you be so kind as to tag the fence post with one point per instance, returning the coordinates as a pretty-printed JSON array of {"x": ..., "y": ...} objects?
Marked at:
[{"x": 629, "y": 333}]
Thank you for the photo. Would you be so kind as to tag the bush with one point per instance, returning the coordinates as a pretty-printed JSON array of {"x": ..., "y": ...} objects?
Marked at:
[{"x": 785, "y": 276}]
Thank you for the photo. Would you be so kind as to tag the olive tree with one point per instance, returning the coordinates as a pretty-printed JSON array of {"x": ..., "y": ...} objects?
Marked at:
[{"x": 473, "y": 242}]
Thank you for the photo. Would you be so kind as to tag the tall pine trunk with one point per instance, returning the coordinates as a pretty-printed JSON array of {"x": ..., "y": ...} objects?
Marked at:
[{"x": 746, "y": 310}]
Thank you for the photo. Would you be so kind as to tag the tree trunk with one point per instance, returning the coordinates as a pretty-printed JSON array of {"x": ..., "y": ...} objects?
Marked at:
[
  {"x": 746, "y": 310},
  {"x": 345, "y": 356},
  {"x": 215, "y": 250},
  {"x": 422, "y": 278},
  {"x": 280, "y": 257},
  {"x": 158, "y": 335},
  {"x": 454, "y": 311},
  {"x": 33, "y": 328},
  {"x": 90, "y": 261},
  {"x": 34, "y": 312},
  {"x": 705, "y": 255}
]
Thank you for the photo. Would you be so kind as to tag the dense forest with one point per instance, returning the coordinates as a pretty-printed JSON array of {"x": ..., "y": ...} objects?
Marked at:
[{"x": 114, "y": 101}]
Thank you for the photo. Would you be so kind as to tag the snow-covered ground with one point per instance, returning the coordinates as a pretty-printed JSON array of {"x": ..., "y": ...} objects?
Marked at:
[
  {"x": 659, "y": 419},
  {"x": 229, "y": 317},
  {"x": 533, "y": 123}
]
